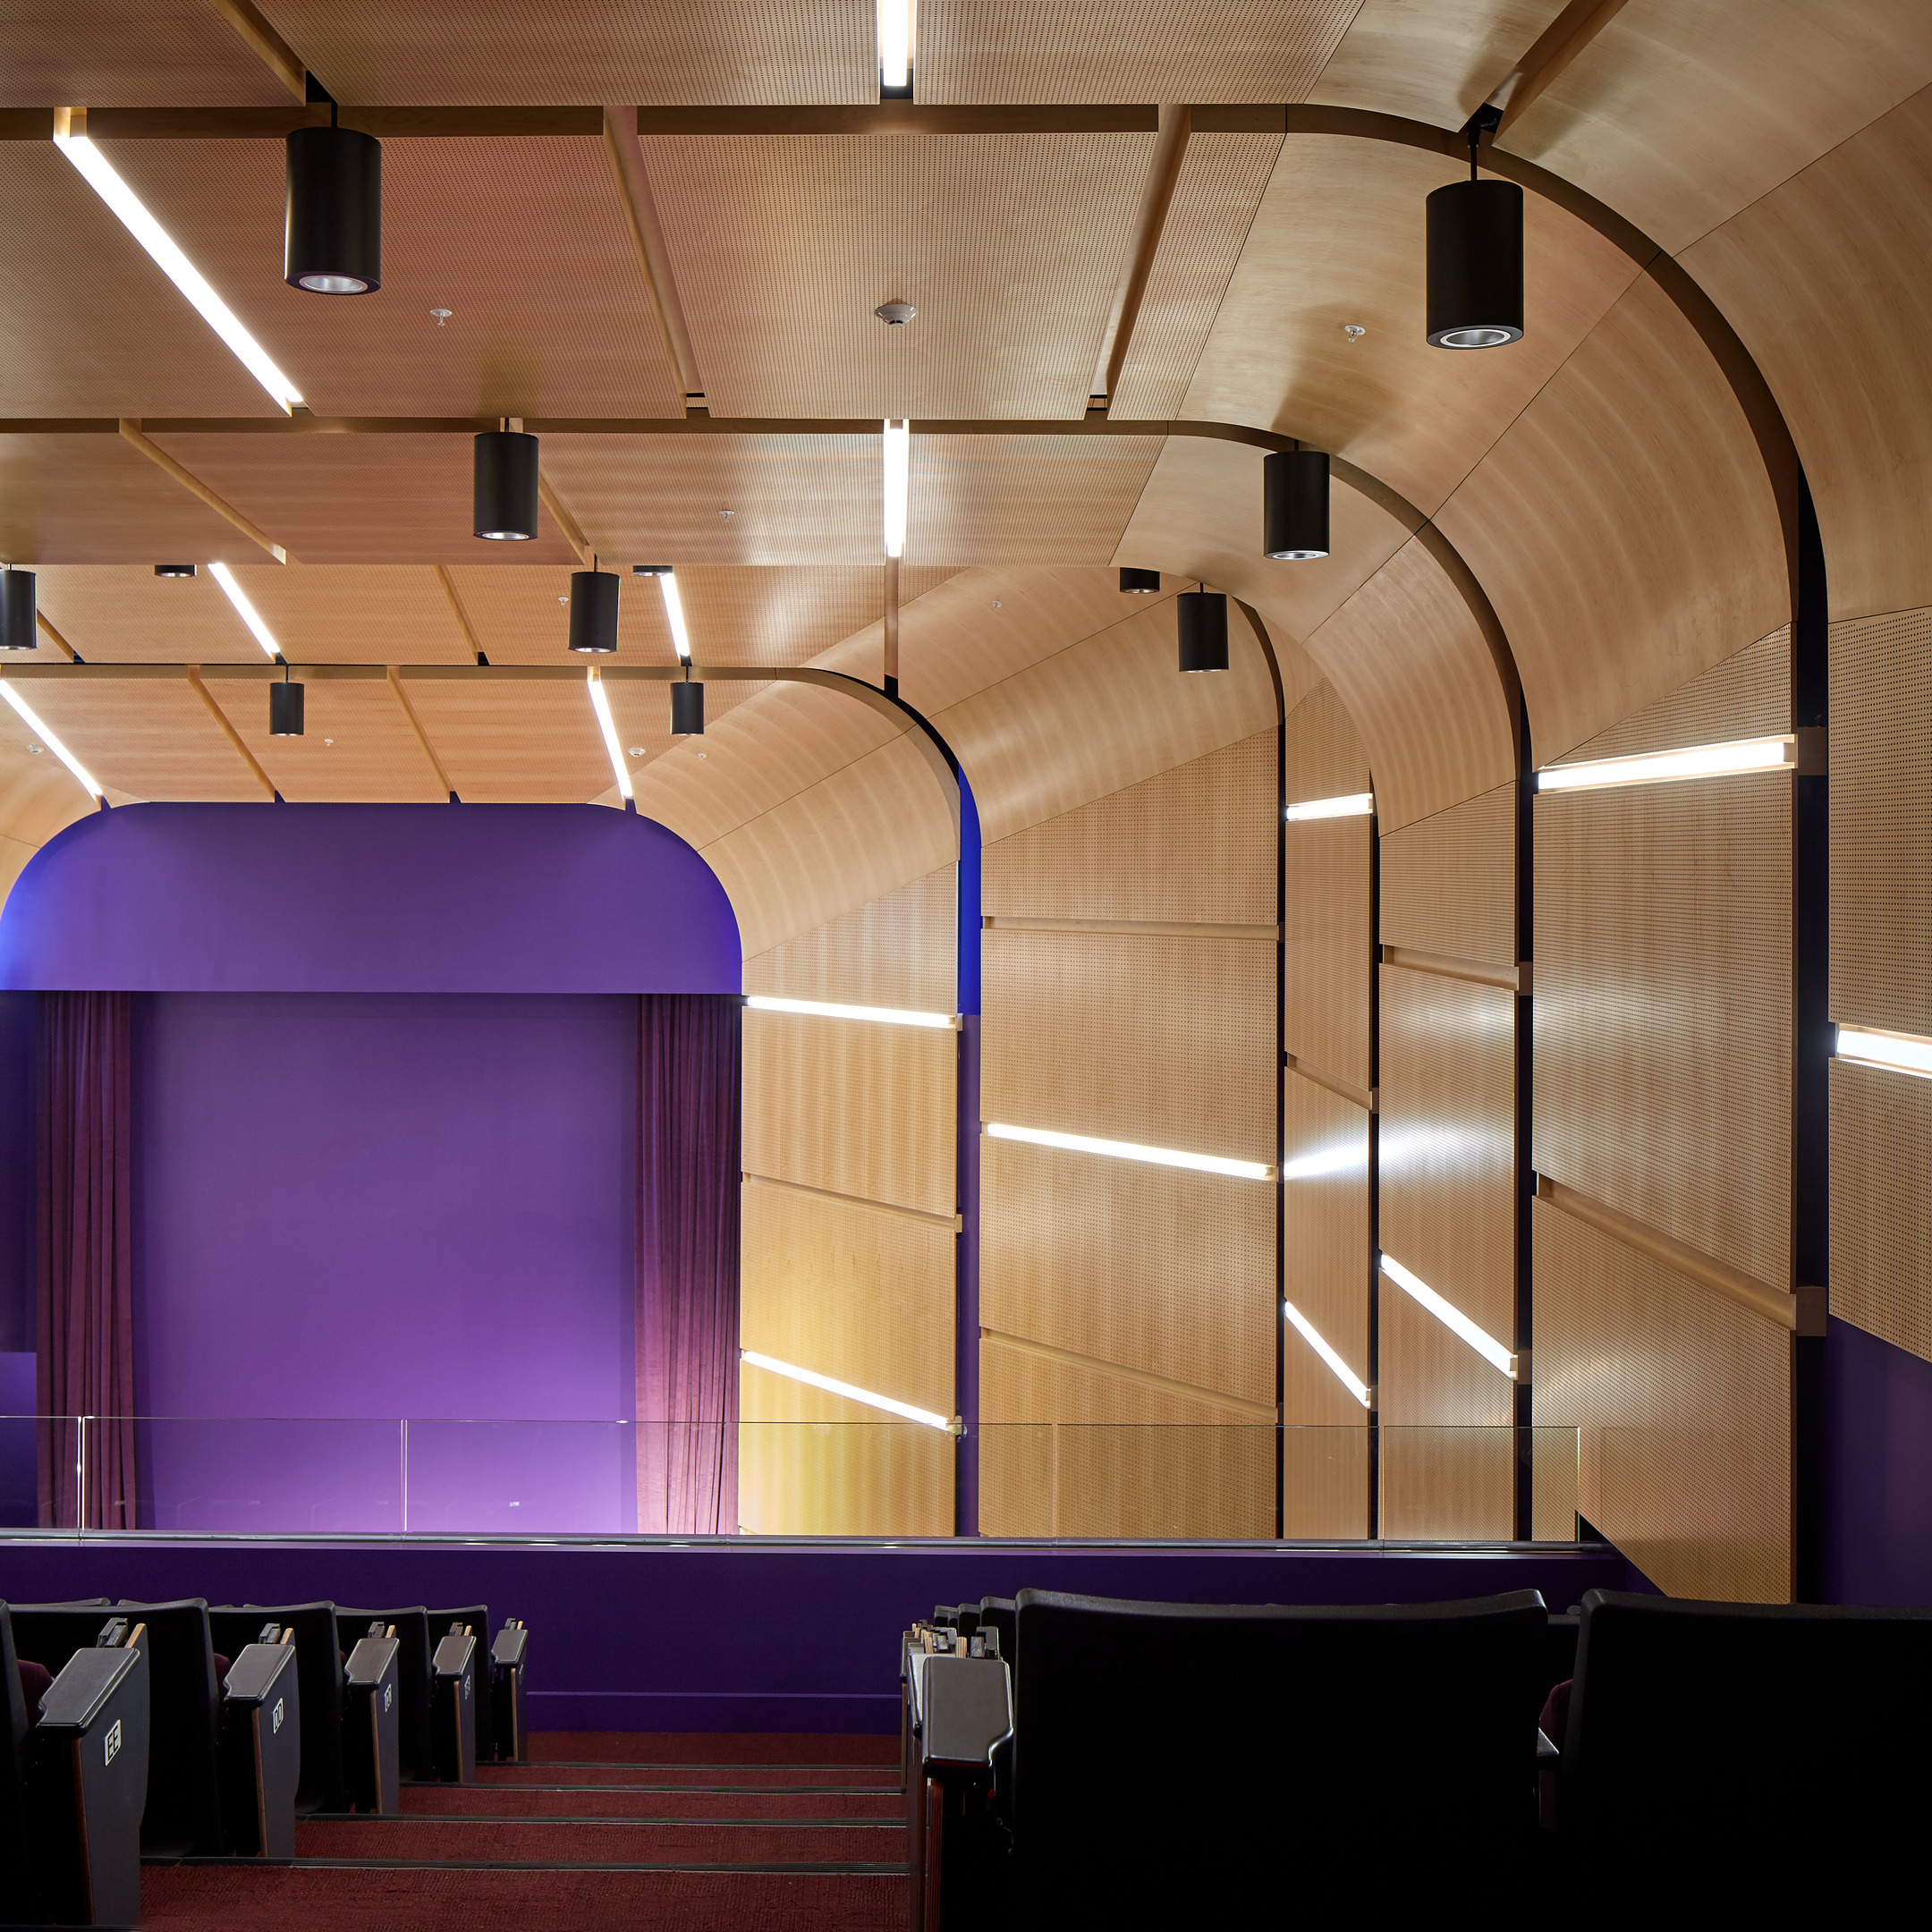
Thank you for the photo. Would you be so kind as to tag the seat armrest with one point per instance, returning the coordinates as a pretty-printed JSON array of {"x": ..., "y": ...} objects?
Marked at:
[
  {"x": 1547, "y": 1753},
  {"x": 506, "y": 1653},
  {"x": 966, "y": 1709}
]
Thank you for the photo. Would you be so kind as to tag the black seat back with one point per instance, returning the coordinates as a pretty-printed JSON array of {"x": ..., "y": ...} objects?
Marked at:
[
  {"x": 999, "y": 1614},
  {"x": 15, "y": 1851},
  {"x": 476, "y": 1620},
  {"x": 415, "y": 1742},
  {"x": 1203, "y": 1756},
  {"x": 319, "y": 1677}
]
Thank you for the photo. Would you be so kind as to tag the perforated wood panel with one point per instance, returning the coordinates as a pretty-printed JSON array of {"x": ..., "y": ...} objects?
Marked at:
[
  {"x": 1748, "y": 695},
  {"x": 507, "y": 742},
  {"x": 148, "y": 738},
  {"x": 1327, "y": 941},
  {"x": 1161, "y": 1041},
  {"x": 1194, "y": 845},
  {"x": 787, "y": 616},
  {"x": 1881, "y": 1244},
  {"x": 1325, "y": 1251},
  {"x": 1154, "y": 1268},
  {"x": 37, "y": 797},
  {"x": 1438, "y": 64},
  {"x": 176, "y": 53},
  {"x": 1664, "y": 1009},
  {"x": 895, "y": 950},
  {"x": 123, "y": 614},
  {"x": 1449, "y": 881},
  {"x": 342, "y": 614},
  {"x": 1684, "y": 1399},
  {"x": 1023, "y": 499},
  {"x": 1881, "y": 802},
  {"x": 357, "y": 747}
]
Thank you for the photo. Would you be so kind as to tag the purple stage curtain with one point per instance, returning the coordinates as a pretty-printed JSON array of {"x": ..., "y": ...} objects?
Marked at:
[
  {"x": 86, "y": 1339},
  {"x": 689, "y": 1055}
]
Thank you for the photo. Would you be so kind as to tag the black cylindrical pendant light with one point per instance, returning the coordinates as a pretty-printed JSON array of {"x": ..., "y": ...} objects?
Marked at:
[
  {"x": 1475, "y": 264},
  {"x": 593, "y": 609},
  {"x": 17, "y": 627},
  {"x": 333, "y": 236},
  {"x": 1294, "y": 504},
  {"x": 1139, "y": 582},
  {"x": 505, "y": 486},
  {"x": 284, "y": 709},
  {"x": 1203, "y": 620},
  {"x": 687, "y": 710}
]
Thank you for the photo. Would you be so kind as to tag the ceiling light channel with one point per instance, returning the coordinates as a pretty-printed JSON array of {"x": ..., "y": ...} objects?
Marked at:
[
  {"x": 897, "y": 456},
  {"x": 1900, "y": 1053},
  {"x": 600, "y": 704},
  {"x": 827, "y": 1010},
  {"x": 70, "y": 136},
  {"x": 49, "y": 740},
  {"x": 1342, "y": 1374},
  {"x": 895, "y": 49},
  {"x": 1356, "y": 805},
  {"x": 811, "y": 1378},
  {"x": 246, "y": 611},
  {"x": 1452, "y": 1318},
  {"x": 1656, "y": 767},
  {"x": 1154, "y": 1157},
  {"x": 674, "y": 605}
]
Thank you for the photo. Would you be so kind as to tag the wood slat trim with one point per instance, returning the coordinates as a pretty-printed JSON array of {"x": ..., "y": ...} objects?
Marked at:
[
  {"x": 1141, "y": 1377},
  {"x": 647, "y": 236},
  {"x": 54, "y": 637},
  {"x": 1142, "y": 928},
  {"x": 458, "y": 612},
  {"x": 561, "y": 516},
  {"x": 1774, "y": 1304},
  {"x": 266, "y": 44},
  {"x": 1367, "y": 1098},
  {"x": 130, "y": 432},
  {"x": 951, "y": 1223},
  {"x": 1511, "y": 980},
  {"x": 229, "y": 732},
  {"x": 422, "y": 737},
  {"x": 1552, "y": 50},
  {"x": 1157, "y": 196}
]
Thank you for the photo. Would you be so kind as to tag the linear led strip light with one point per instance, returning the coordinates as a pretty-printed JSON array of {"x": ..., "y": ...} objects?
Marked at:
[
  {"x": 895, "y": 46},
  {"x": 1451, "y": 1316},
  {"x": 896, "y": 481},
  {"x": 1155, "y": 1156},
  {"x": 607, "y": 725},
  {"x": 1899, "y": 1053},
  {"x": 71, "y": 137},
  {"x": 1656, "y": 767},
  {"x": 48, "y": 738},
  {"x": 246, "y": 611},
  {"x": 1356, "y": 805},
  {"x": 834, "y": 1387},
  {"x": 1343, "y": 1373},
  {"x": 829, "y": 1010}
]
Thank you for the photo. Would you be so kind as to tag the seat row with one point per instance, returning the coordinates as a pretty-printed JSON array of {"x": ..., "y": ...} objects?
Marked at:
[
  {"x": 1071, "y": 1759},
  {"x": 173, "y": 1730}
]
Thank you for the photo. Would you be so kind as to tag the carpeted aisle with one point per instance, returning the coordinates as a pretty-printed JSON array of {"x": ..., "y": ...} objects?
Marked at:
[{"x": 770, "y": 1834}]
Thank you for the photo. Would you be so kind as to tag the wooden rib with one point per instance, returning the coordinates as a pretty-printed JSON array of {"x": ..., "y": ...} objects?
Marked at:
[
  {"x": 891, "y": 619},
  {"x": 560, "y": 515},
  {"x": 1155, "y": 928},
  {"x": 1444, "y": 966},
  {"x": 54, "y": 636},
  {"x": 228, "y": 730},
  {"x": 1141, "y": 1378},
  {"x": 422, "y": 737},
  {"x": 1365, "y": 1098},
  {"x": 458, "y": 612},
  {"x": 1164, "y": 172},
  {"x": 899, "y": 118},
  {"x": 266, "y": 44},
  {"x": 952, "y": 1224},
  {"x": 1555, "y": 48},
  {"x": 647, "y": 236},
  {"x": 1770, "y": 1302},
  {"x": 130, "y": 431}
]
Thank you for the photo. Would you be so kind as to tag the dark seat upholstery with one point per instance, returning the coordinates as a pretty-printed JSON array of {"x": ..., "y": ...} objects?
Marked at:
[
  {"x": 318, "y": 1674},
  {"x": 1000, "y": 1613},
  {"x": 414, "y": 1679},
  {"x": 475, "y": 1619}
]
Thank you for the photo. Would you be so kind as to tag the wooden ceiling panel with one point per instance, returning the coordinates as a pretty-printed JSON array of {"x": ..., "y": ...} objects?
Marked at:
[
  {"x": 123, "y": 614},
  {"x": 1436, "y": 63},
  {"x": 357, "y": 747},
  {"x": 1338, "y": 240},
  {"x": 525, "y": 241},
  {"x": 504, "y": 741},
  {"x": 1828, "y": 280},
  {"x": 464, "y": 53},
  {"x": 357, "y": 614},
  {"x": 1681, "y": 111},
  {"x": 791, "y": 615},
  {"x": 108, "y": 53},
  {"x": 522, "y": 616},
  {"x": 38, "y": 796},
  {"x": 147, "y": 737},
  {"x": 354, "y": 499},
  {"x": 96, "y": 499},
  {"x": 1124, "y": 50},
  {"x": 1010, "y": 247},
  {"x": 1624, "y": 526},
  {"x": 1023, "y": 499}
]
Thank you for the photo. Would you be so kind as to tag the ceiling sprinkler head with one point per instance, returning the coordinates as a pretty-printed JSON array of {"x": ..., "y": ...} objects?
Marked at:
[
  {"x": 895, "y": 314},
  {"x": 441, "y": 316},
  {"x": 1354, "y": 331}
]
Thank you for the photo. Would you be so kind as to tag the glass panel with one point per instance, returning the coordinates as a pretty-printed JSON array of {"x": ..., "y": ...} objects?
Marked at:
[
  {"x": 226, "y": 1477},
  {"x": 522, "y": 1479},
  {"x": 844, "y": 1479}
]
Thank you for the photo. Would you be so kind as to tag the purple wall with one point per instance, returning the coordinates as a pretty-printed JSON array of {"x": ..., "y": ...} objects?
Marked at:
[
  {"x": 19, "y": 1036},
  {"x": 1878, "y": 1452}
]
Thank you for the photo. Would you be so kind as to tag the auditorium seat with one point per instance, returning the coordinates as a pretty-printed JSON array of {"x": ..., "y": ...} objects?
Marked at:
[
  {"x": 476, "y": 1620},
  {"x": 415, "y": 1679},
  {"x": 318, "y": 1665}
]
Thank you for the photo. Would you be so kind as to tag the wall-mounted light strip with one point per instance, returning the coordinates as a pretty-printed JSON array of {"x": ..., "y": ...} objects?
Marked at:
[
  {"x": 1901, "y": 1053},
  {"x": 1450, "y": 1316},
  {"x": 897, "y": 457},
  {"x": 1349, "y": 1157},
  {"x": 1154, "y": 1157},
  {"x": 600, "y": 704},
  {"x": 49, "y": 740},
  {"x": 1356, "y": 805},
  {"x": 674, "y": 610},
  {"x": 834, "y": 1387},
  {"x": 827, "y": 1010},
  {"x": 1343, "y": 1373},
  {"x": 70, "y": 136},
  {"x": 1656, "y": 767},
  {"x": 244, "y": 610},
  {"x": 895, "y": 46}
]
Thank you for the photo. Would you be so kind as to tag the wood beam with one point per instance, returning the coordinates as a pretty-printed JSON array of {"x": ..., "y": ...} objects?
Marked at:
[
  {"x": 1157, "y": 196},
  {"x": 1555, "y": 48},
  {"x": 560, "y": 515},
  {"x": 422, "y": 737},
  {"x": 459, "y": 613},
  {"x": 130, "y": 432},
  {"x": 647, "y": 237},
  {"x": 266, "y": 44},
  {"x": 54, "y": 637},
  {"x": 229, "y": 733}
]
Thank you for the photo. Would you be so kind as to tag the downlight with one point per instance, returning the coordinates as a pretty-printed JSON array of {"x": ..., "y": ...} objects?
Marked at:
[
  {"x": 1139, "y": 582},
  {"x": 593, "y": 609},
  {"x": 285, "y": 709},
  {"x": 1202, "y": 617},
  {"x": 18, "y": 631},
  {"x": 1294, "y": 505},
  {"x": 1476, "y": 257},
  {"x": 332, "y": 237},
  {"x": 505, "y": 489},
  {"x": 687, "y": 708}
]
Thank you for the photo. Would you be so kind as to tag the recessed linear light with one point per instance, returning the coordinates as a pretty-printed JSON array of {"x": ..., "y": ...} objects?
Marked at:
[
  {"x": 836, "y": 1387},
  {"x": 827, "y": 1010},
  {"x": 600, "y": 704},
  {"x": 1344, "y": 1374},
  {"x": 48, "y": 738},
  {"x": 246, "y": 611},
  {"x": 1356, "y": 805},
  {"x": 1451, "y": 1316},
  {"x": 674, "y": 605},
  {"x": 70, "y": 136},
  {"x": 1699, "y": 761},
  {"x": 894, "y": 42},
  {"x": 1350, "y": 1157},
  {"x": 1154, "y": 1157},
  {"x": 897, "y": 457},
  {"x": 1900, "y": 1053}
]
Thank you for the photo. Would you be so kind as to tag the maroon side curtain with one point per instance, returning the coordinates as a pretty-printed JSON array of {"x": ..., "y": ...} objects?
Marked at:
[
  {"x": 689, "y": 1084},
  {"x": 85, "y": 1337}
]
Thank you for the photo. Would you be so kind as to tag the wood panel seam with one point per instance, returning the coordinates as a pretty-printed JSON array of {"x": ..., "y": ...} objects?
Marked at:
[
  {"x": 1368, "y": 1098},
  {"x": 1141, "y": 1377},
  {"x": 1446, "y": 966},
  {"x": 951, "y": 1223},
  {"x": 1146, "y": 929}
]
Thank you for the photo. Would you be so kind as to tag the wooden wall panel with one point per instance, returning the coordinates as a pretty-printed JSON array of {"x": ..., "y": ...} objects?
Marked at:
[
  {"x": 1881, "y": 1235},
  {"x": 1748, "y": 695},
  {"x": 1684, "y": 1400},
  {"x": 894, "y": 951},
  {"x": 1449, "y": 881},
  {"x": 1325, "y": 1252},
  {"x": 1438, "y": 65}
]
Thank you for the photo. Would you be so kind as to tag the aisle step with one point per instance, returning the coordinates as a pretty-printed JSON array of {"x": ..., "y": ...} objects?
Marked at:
[{"x": 589, "y": 1842}]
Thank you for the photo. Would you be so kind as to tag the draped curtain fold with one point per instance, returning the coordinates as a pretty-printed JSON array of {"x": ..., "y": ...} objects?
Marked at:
[
  {"x": 84, "y": 1300},
  {"x": 689, "y": 1056}
]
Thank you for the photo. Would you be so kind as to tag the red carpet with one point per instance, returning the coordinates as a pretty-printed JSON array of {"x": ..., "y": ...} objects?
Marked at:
[
  {"x": 696, "y": 1777},
  {"x": 587, "y": 1841},
  {"x": 528, "y": 1802}
]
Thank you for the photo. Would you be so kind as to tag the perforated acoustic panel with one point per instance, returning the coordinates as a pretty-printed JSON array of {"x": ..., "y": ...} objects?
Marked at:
[
  {"x": 1449, "y": 882},
  {"x": 1747, "y": 696},
  {"x": 357, "y": 747},
  {"x": 1326, "y": 1253},
  {"x": 1685, "y": 1398},
  {"x": 895, "y": 950},
  {"x": 1881, "y": 1242},
  {"x": 148, "y": 738},
  {"x": 1023, "y": 500}
]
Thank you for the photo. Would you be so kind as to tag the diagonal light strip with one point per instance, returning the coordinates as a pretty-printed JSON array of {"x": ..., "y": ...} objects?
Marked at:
[
  {"x": 673, "y": 606},
  {"x": 1155, "y": 1156},
  {"x": 1355, "y": 805},
  {"x": 246, "y": 611},
  {"x": 1697, "y": 761},
  {"x": 895, "y": 44},
  {"x": 48, "y": 738},
  {"x": 1348, "y": 1157},
  {"x": 607, "y": 725},
  {"x": 1901, "y": 1053},
  {"x": 834, "y": 1387},
  {"x": 1344, "y": 1374},
  {"x": 896, "y": 458},
  {"x": 827, "y": 1010},
  {"x": 99, "y": 175},
  {"x": 1451, "y": 1316}
]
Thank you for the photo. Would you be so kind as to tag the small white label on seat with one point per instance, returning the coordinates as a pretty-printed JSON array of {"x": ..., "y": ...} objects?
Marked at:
[
  {"x": 278, "y": 1724},
  {"x": 113, "y": 1741}
]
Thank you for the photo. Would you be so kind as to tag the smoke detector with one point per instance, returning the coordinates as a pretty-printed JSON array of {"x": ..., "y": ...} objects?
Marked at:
[{"x": 895, "y": 314}]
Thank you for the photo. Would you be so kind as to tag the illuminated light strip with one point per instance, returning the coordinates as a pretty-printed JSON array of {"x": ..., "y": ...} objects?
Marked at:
[
  {"x": 246, "y": 611},
  {"x": 1349, "y": 1159},
  {"x": 826, "y": 1009},
  {"x": 99, "y": 175},
  {"x": 49, "y": 740},
  {"x": 1356, "y": 805},
  {"x": 1359, "y": 1390},
  {"x": 600, "y": 704},
  {"x": 1699, "y": 761},
  {"x": 674, "y": 610},
  {"x": 833, "y": 1388},
  {"x": 897, "y": 458},
  {"x": 1451, "y": 1318},
  {"x": 894, "y": 47},
  {"x": 1155, "y": 1156},
  {"x": 1901, "y": 1052}
]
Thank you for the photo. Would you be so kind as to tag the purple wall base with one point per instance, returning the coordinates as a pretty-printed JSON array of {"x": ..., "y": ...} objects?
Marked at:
[
  {"x": 754, "y": 1635},
  {"x": 1878, "y": 1445}
]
